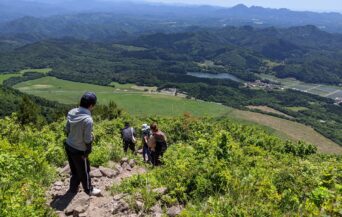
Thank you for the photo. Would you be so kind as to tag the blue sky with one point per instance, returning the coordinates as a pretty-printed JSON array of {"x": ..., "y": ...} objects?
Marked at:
[{"x": 316, "y": 5}]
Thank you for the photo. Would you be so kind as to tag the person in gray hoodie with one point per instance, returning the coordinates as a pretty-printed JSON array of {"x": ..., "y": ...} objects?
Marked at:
[{"x": 78, "y": 146}]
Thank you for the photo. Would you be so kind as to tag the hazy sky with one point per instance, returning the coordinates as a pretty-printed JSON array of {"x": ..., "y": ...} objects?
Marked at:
[{"x": 317, "y": 5}]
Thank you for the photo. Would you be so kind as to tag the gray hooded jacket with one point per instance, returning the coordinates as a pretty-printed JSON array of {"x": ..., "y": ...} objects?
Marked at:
[{"x": 79, "y": 129}]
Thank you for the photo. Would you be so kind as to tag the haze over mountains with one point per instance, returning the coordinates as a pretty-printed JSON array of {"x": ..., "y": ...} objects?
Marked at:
[{"x": 173, "y": 15}]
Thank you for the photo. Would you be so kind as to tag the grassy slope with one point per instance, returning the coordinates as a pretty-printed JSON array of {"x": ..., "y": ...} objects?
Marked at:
[
  {"x": 147, "y": 104},
  {"x": 291, "y": 130},
  {"x": 134, "y": 101}
]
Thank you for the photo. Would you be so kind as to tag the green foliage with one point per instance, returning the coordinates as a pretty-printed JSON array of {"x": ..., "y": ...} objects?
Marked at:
[
  {"x": 29, "y": 113},
  {"x": 222, "y": 168},
  {"x": 24, "y": 173}
]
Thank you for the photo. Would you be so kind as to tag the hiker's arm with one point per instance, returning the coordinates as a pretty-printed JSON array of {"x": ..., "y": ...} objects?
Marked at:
[
  {"x": 88, "y": 135},
  {"x": 67, "y": 128},
  {"x": 146, "y": 139},
  {"x": 165, "y": 138}
]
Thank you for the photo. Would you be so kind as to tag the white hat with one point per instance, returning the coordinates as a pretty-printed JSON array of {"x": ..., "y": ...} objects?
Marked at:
[{"x": 145, "y": 127}]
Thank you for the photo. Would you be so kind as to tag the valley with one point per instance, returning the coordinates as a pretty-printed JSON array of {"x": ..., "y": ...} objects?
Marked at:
[
  {"x": 138, "y": 102},
  {"x": 242, "y": 104}
]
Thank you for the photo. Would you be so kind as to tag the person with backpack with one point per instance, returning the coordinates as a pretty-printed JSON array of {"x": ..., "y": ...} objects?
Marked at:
[
  {"x": 158, "y": 139},
  {"x": 146, "y": 133},
  {"x": 128, "y": 137},
  {"x": 78, "y": 146}
]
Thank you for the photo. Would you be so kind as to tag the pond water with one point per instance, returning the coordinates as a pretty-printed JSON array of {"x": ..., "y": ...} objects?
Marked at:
[{"x": 216, "y": 76}]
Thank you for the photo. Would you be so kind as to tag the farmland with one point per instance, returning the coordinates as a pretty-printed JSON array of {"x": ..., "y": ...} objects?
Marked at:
[
  {"x": 329, "y": 91},
  {"x": 129, "y": 97},
  {"x": 139, "y": 102}
]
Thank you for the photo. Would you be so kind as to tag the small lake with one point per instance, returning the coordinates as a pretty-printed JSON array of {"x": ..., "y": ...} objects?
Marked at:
[{"x": 214, "y": 76}]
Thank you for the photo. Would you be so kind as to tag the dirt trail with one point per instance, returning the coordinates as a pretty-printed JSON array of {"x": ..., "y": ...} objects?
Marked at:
[{"x": 80, "y": 204}]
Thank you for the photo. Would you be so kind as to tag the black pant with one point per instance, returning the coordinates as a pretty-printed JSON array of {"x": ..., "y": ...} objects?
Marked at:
[
  {"x": 130, "y": 145},
  {"x": 80, "y": 168},
  {"x": 161, "y": 147}
]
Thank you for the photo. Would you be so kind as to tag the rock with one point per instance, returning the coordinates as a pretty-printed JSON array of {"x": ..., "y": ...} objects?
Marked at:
[
  {"x": 79, "y": 205},
  {"x": 119, "y": 196},
  {"x": 118, "y": 168},
  {"x": 132, "y": 163},
  {"x": 160, "y": 191},
  {"x": 174, "y": 211},
  {"x": 120, "y": 207},
  {"x": 156, "y": 209},
  {"x": 140, "y": 151},
  {"x": 126, "y": 166},
  {"x": 111, "y": 164},
  {"x": 124, "y": 160},
  {"x": 65, "y": 170},
  {"x": 139, "y": 204},
  {"x": 59, "y": 183},
  {"x": 95, "y": 173},
  {"x": 108, "y": 172},
  {"x": 60, "y": 214}
]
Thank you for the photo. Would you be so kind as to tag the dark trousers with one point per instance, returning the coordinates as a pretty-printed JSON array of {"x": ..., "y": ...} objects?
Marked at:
[
  {"x": 130, "y": 145},
  {"x": 146, "y": 151},
  {"x": 80, "y": 168},
  {"x": 156, "y": 155}
]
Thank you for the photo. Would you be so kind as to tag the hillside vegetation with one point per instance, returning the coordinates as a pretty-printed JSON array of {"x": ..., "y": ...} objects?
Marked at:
[
  {"x": 214, "y": 167},
  {"x": 144, "y": 104}
]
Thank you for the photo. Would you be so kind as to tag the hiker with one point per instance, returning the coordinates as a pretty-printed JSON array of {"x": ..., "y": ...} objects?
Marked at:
[
  {"x": 78, "y": 146},
  {"x": 146, "y": 133},
  {"x": 128, "y": 137},
  {"x": 158, "y": 139}
]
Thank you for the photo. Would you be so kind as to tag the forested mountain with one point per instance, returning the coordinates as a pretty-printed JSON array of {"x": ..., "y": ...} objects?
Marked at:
[
  {"x": 305, "y": 53},
  {"x": 163, "y": 60}
]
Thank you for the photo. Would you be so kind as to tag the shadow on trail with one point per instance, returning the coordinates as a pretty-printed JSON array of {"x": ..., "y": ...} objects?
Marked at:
[{"x": 60, "y": 203}]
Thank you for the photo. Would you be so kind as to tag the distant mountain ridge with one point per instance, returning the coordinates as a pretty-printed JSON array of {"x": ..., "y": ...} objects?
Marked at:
[{"x": 180, "y": 16}]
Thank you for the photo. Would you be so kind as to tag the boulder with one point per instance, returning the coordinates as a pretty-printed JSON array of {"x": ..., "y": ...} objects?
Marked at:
[
  {"x": 118, "y": 168},
  {"x": 160, "y": 191},
  {"x": 120, "y": 207},
  {"x": 78, "y": 205},
  {"x": 174, "y": 211},
  {"x": 126, "y": 166},
  {"x": 58, "y": 183},
  {"x": 65, "y": 170},
  {"x": 139, "y": 204},
  {"x": 95, "y": 173},
  {"x": 108, "y": 172},
  {"x": 132, "y": 163},
  {"x": 156, "y": 211},
  {"x": 119, "y": 196},
  {"x": 124, "y": 160}
]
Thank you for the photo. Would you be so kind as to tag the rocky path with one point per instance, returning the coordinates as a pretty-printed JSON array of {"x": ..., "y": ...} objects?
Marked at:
[{"x": 82, "y": 205}]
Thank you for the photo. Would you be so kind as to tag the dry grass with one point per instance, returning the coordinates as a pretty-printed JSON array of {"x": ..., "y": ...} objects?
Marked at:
[
  {"x": 292, "y": 130},
  {"x": 269, "y": 110}
]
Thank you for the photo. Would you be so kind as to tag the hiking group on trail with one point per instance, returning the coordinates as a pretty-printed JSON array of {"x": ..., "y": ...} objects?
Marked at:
[
  {"x": 153, "y": 141},
  {"x": 78, "y": 145}
]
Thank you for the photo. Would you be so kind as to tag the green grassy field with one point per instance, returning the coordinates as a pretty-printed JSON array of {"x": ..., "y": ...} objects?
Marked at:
[
  {"x": 4, "y": 77},
  {"x": 140, "y": 103},
  {"x": 134, "y": 101}
]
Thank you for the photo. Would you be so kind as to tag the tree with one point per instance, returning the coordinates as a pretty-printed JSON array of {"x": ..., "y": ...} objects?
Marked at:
[{"x": 29, "y": 113}]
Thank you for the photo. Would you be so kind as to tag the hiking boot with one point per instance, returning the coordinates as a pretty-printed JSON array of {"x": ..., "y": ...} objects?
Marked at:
[{"x": 95, "y": 192}]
